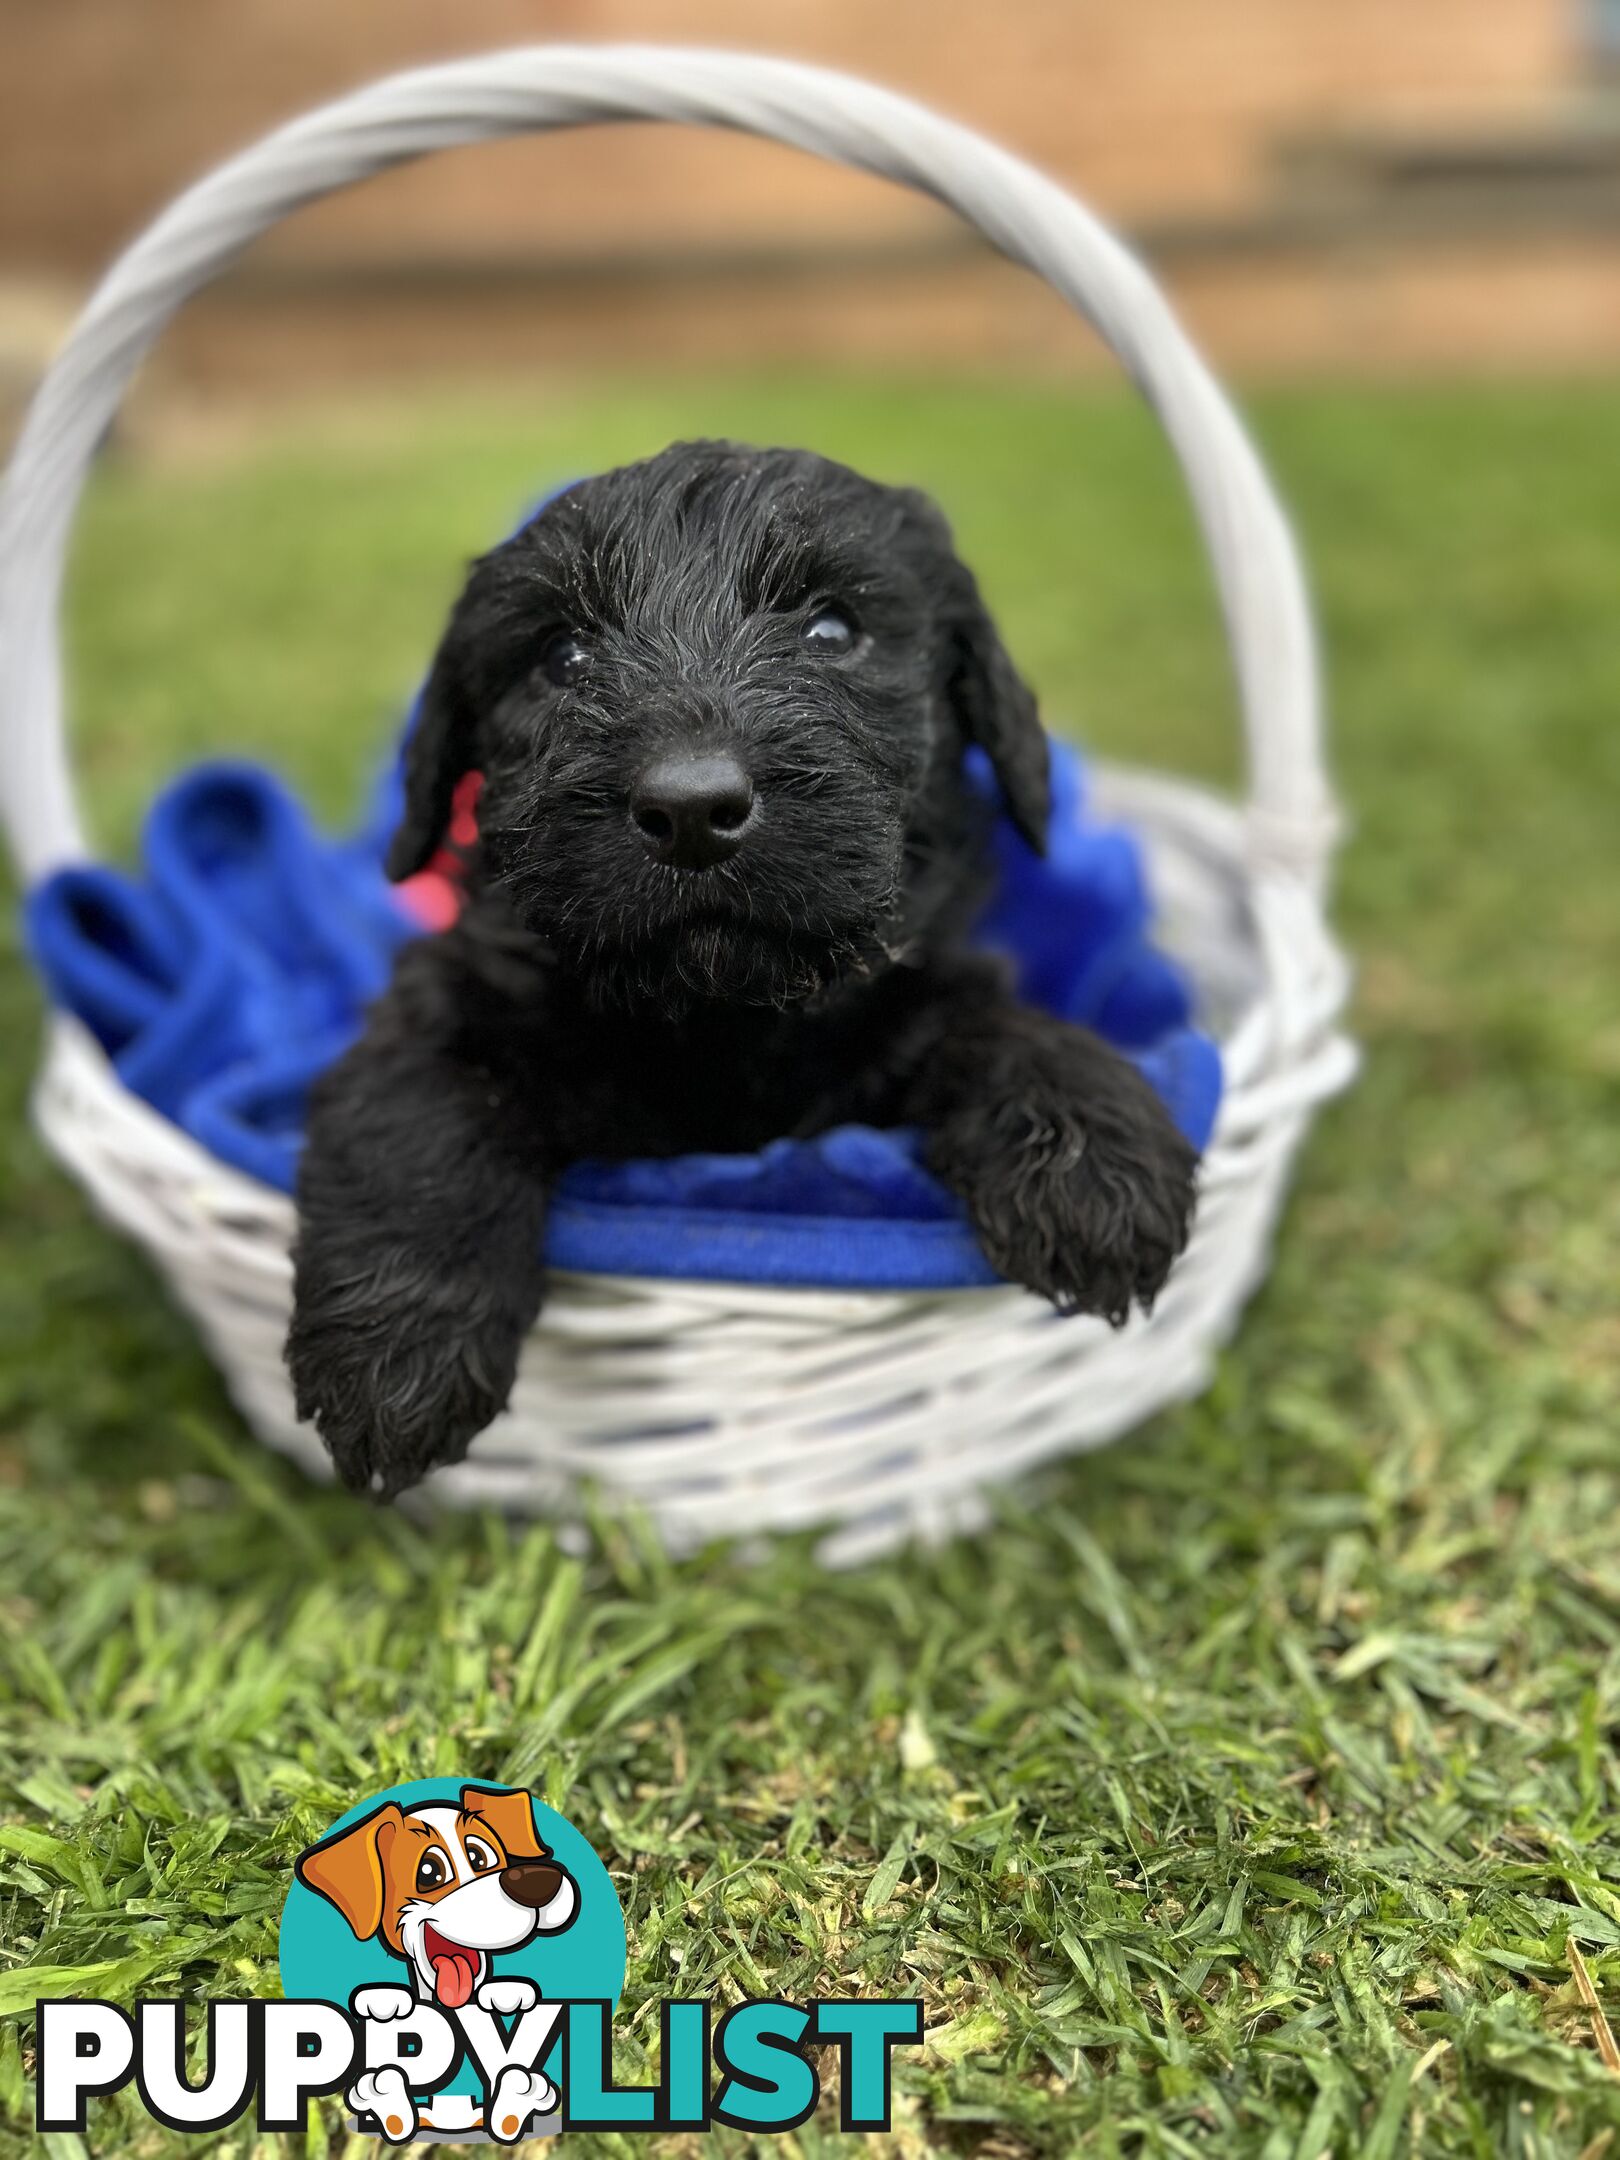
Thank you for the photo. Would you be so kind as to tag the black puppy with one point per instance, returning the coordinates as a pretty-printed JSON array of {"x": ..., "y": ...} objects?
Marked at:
[{"x": 727, "y": 859}]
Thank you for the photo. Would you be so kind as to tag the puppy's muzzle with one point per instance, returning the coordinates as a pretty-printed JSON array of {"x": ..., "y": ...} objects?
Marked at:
[
  {"x": 533, "y": 1883},
  {"x": 692, "y": 808}
]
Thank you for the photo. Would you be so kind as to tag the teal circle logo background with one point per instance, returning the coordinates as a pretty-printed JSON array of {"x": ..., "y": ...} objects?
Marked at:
[{"x": 322, "y": 1960}]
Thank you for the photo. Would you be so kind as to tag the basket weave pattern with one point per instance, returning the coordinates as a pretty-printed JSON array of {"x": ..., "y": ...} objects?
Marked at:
[{"x": 721, "y": 1407}]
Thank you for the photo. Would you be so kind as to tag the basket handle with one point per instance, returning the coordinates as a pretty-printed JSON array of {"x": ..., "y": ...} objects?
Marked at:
[{"x": 1028, "y": 217}]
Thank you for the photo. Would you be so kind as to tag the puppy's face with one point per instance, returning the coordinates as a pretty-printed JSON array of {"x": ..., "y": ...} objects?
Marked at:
[
  {"x": 720, "y": 701},
  {"x": 445, "y": 1887}
]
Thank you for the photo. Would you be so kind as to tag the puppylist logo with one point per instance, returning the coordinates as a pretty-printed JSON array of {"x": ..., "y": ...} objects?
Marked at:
[{"x": 451, "y": 1958}]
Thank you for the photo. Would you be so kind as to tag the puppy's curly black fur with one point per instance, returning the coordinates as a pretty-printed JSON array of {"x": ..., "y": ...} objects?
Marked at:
[{"x": 726, "y": 865}]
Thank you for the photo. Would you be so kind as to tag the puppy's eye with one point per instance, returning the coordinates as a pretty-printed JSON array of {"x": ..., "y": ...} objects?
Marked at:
[
  {"x": 565, "y": 660},
  {"x": 431, "y": 1872},
  {"x": 479, "y": 1857},
  {"x": 829, "y": 632}
]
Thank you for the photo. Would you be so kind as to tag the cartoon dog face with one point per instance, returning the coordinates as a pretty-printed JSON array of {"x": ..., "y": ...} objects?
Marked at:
[{"x": 445, "y": 1887}]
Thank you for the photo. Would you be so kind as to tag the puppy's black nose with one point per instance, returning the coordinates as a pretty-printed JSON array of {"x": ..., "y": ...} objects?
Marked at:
[
  {"x": 691, "y": 807},
  {"x": 531, "y": 1882}
]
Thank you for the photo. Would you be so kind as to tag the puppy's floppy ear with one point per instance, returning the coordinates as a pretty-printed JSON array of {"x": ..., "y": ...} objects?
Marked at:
[
  {"x": 997, "y": 708},
  {"x": 347, "y": 1870},
  {"x": 510, "y": 1816},
  {"x": 438, "y": 751},
  {"x": 993, "y": 704}
]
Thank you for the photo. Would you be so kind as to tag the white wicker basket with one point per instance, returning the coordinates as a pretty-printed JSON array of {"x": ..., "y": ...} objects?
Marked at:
[{"x": 719, "y": 1407}]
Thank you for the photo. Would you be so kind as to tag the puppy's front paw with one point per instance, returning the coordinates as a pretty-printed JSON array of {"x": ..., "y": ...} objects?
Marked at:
[
  {"x": 384, "y": 2097},
  {"x": 400, "y": 1374},
  {"x": 382, "y": 2004},
  {"x": 519, "y": 2095},
  {"x": 390, "y": 1413},
  {"x": 1088, "y": 1203},
  {"x": 507, "y": 1998}
]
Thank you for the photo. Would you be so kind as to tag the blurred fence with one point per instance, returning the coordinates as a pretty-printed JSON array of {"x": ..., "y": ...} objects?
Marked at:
[{"x": 1371, "y": 184}]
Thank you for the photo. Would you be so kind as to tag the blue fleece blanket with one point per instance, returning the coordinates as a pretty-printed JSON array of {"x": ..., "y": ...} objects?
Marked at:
[{"x": 230, "y": 971}]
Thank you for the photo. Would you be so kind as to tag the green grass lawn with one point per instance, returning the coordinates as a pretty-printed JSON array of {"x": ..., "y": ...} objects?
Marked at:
[{"x": 1250, "y": 1787}]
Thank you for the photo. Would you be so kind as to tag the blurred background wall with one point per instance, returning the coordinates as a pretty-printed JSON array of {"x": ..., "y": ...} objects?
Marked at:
[{"x": 1327, "y": 185}]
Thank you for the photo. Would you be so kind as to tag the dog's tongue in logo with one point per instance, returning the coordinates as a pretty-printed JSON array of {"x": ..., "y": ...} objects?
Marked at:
[{"x": 455, "y": 1969}]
